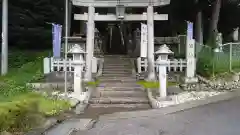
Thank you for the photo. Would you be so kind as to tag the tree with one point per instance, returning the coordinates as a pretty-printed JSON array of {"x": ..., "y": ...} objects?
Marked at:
[
  {"x": 199, "y": 25},
  {"x": 213, "y": 29},
  {"x": 29, "y": 21}
]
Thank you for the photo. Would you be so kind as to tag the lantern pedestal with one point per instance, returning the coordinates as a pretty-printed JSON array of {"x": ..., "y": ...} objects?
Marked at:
[
  {"x": 162, "y": 63},
  {"x": 78, "y": 79},
  {"x": 162, "y": 79},
  {"x": 78, "y": 62}
]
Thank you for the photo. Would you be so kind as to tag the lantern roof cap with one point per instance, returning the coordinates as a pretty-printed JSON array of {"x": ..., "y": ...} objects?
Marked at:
[
  {"x": 164, "y": 49},
  {"x": 76, "y": 49}
]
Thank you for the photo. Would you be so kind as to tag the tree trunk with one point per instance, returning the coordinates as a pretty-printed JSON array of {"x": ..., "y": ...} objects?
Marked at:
[
  {"x": 213, "y": 30},
  {"x": 199, "y": 28}
]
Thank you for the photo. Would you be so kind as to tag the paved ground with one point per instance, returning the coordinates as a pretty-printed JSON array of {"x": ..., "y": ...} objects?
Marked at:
[{"x": 221, "y": 118}]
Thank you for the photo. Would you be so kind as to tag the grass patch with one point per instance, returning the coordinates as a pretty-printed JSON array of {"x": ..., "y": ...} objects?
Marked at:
[
  {"x": 92, "y": 83},
  {"x": 146, "y": 84},
  {"x": 20, "y": 108}
]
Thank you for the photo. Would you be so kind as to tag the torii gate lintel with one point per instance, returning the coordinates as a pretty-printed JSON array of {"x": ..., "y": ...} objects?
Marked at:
[{"x": 127, "y": 17}]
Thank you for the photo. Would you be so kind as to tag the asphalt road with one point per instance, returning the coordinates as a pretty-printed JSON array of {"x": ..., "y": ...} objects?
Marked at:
[{"x": 221, "y": 118}]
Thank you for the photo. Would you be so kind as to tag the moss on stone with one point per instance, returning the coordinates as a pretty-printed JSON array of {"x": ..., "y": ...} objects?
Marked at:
[{"x": 147, "y": 84}]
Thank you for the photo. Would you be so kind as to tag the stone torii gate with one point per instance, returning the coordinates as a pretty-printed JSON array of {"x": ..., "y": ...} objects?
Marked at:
[{"x": 120, "y": 15}]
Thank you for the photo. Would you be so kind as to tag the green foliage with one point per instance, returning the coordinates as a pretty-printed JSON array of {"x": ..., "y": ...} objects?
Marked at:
[
  {"x": 17, "y": 58},
  {"x": 210, "y": 63},
  {"x": 15, "y": 81},
  {"x": 16, "y": 114},
  {"x": 52, "y": 107},
  {"x": 27, "y": 111},
  {"x": 205, "y": 62},
  {"x": 20, "y": 108}
]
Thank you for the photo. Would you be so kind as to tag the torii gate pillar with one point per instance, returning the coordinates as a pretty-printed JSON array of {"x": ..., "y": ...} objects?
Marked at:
[
  {"x": 150, "y": 48},
  {"x": 90, "y": 42}
]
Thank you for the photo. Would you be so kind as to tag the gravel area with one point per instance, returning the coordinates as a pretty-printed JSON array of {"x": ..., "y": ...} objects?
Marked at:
[
  {"x": 186, "y": 96},
  {"x": 194, "y": 95}
]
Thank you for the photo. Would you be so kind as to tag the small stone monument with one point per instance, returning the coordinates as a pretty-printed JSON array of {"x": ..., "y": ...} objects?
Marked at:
[
  {"x": 78, "y": 63},
  {"x": 162, "y": 63},
  {"x": 191, "y": 62}
]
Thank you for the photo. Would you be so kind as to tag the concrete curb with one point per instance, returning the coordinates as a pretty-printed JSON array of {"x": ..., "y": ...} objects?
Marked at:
[{"x": 172, "y": 109}]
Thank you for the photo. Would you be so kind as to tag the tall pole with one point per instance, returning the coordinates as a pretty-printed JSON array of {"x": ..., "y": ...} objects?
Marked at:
[
  {"x": 4, "y": 56},
  {"x": 69, "y": 17},
  {"x": 66, "y": 44}
]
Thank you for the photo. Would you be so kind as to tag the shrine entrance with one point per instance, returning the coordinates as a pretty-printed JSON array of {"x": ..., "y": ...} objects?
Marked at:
[
  {"x": 116, "y": 39},
  {"x": 120, "y": 16}
]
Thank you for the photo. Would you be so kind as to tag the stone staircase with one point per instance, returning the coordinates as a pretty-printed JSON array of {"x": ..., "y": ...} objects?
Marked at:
[{"x": 118, "y": 89}]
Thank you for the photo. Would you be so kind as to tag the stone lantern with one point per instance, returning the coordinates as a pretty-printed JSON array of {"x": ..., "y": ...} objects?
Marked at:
[
  {"x": 162, "y": 63},
  {"x": 78, "y": 63}
]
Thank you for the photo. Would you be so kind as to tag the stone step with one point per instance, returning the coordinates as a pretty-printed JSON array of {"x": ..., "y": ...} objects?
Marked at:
[
  {"x": 116, "y": 65},
  {"x": 116, "y": 72},
  {"x": 125, "y": 84},
  {"x": 120, "y": 65},
  {"x": 114, "y": 68},
  {"x": 117, "y": 62},
  {"x": 116, "y": 75},
  {"x": 117, "y": 69},
  {"x": 117, "y": 81},
  {"x": 140, "y": 106},
  {"x": 112, "y": 58},
  {"x": 119, "y": 100},
  {"x": 132, "y": 93},
  {"x": 123, "y": 88},
  {"x": 116, "y": 78},
  {"x": 118, "y": 56}
]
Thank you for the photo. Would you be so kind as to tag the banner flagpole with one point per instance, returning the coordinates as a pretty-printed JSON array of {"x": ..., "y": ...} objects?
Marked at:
[{"x": 66, "y": 45}]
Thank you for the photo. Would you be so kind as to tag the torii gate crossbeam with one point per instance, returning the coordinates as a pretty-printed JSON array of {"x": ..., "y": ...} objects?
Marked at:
[{"x": 127, "y": 17}]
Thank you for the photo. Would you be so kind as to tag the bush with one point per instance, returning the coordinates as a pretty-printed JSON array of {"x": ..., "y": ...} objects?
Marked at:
[
  {"x": 204, "y": 65},
  {"x": 18, "y": 115},
  {"x": 20, "y": 108},
  {"x": 28, "y": 110}
]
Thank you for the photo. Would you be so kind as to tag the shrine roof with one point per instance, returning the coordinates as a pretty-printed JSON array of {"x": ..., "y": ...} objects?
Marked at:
[{"x": 126, "y": 3}]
